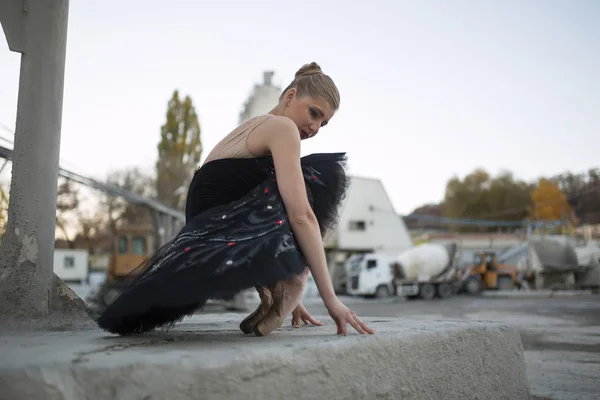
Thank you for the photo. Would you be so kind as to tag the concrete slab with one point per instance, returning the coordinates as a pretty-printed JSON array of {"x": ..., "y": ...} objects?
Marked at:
[{"x": 207, "y": 357}]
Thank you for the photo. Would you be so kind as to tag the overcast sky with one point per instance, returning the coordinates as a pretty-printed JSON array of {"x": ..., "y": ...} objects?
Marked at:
[{"x": 429, "y": 89}]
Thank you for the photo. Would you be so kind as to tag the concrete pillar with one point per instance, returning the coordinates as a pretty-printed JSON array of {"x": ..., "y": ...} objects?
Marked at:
[{"x": 38, "y": 30}]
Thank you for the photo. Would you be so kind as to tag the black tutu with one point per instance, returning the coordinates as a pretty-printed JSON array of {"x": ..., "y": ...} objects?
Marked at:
[{"x": 237, "y": 236}]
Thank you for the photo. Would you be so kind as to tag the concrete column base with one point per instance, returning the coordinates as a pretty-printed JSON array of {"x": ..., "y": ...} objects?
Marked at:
[
  {"x": 67, "y": 312},
  {"x": 207, "y": 357}
]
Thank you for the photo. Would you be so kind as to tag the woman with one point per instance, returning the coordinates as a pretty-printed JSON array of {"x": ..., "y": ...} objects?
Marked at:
[{"x": 256, "y": 214}]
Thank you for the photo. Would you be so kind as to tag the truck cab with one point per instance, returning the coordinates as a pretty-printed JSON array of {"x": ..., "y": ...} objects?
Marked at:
[{"x": 369, "y": 275}]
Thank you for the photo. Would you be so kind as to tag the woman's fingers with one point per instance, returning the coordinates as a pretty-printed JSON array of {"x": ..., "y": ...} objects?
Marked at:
[
  {"x": 355, "y": 322},
  {"x": 361, "y": 326},
  {"x": 295, "y": 321},
  {"x": 308, "y": 319},
  {"x": 357, "y": 326},
  {"x": 341, "y": 327}
]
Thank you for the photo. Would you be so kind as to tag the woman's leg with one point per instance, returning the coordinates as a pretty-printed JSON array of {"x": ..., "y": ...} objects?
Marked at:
[
  {"x": 286, "y": 296},
  {"x": 294, "y": 288},
  {"x": 266, "y": 300}
]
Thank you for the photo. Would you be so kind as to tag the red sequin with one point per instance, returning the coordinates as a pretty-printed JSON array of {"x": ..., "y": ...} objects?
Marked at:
[
  {"x": 266, "y": 190},
  {"x": 279, "y": 222},
  {"x": 230, "y": 244},
  {"x": 187, "y": 249}
]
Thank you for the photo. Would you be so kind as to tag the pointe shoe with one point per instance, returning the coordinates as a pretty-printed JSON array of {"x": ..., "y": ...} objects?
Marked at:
[
  {"x": 273, "y": 319},
  {"x": 249, "y": 323}
]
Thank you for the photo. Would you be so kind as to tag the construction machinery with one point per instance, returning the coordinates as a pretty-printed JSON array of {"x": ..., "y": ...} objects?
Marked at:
[
  {"x": 427, "y": 271},
  {"x": 131, "y": 246},
  {"x": 486, "y": 273}
]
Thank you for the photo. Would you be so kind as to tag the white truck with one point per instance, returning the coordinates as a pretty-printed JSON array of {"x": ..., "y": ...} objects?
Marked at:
[
  {"x": 427, "y": 271},
  {"x": 370, "y": 275}
]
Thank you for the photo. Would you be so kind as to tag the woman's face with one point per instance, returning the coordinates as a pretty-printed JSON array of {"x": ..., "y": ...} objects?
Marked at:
[{"x": 310, "y": 114}]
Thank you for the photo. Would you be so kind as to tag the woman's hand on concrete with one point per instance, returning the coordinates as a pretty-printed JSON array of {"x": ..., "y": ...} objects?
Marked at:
[
  {"x": 302, "y": 314},
  {"x": 342, "y": 316}
]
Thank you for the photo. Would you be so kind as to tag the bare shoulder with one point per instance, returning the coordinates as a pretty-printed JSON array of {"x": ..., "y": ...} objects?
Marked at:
[
  {"x": 279, "y": 126},
  {"x": 275, "y": 132},
  {"x": 278, "y": 121}
]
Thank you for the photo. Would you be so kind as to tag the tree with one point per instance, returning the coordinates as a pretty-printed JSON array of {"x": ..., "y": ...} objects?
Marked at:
[
  {"x": 92, "y": 231},
  {"x": 549, "y": 202},
  {"x": 479, "y": 196},
  {"x": 466, "y": 198},
  {"x": 179, "y": 151},
  {"x": 67, "y": 201},
  {"x": 434, "y": 210},
  {"x": 508, "y": 198},
  {"x": 583, "y": 194},
  {"x": 120, "y": 211}
]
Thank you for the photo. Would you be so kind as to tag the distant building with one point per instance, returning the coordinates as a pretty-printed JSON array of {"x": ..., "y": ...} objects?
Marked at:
[
  {"x": 71, "y": 265},
  {"x": 262, "y": 99},
  {"x": 368, "y": 223}
]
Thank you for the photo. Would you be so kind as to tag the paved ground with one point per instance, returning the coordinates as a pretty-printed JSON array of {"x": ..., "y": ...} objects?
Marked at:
[{"x": 561, "y": 336}]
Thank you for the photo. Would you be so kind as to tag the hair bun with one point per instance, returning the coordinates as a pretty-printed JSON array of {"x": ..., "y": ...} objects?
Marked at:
[{"x": 309, "y": 69}]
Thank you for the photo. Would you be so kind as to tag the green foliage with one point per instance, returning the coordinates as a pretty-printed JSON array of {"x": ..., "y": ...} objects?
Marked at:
[
  {"x": 583, "y": 194},
  {"x": 480, "y": 196},
  {"x": 179, "y": 151}
]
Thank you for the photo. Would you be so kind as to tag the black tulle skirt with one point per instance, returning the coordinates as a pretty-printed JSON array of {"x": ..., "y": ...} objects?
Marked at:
[{"x": 236, "y": 236}]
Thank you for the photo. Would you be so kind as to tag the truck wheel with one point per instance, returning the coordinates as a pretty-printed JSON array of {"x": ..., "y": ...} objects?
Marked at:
[
  {"x": 382, "y": 292},
  {"x": 444, "y": 290},
  {"x": 472, "y": 285},
  {"x": 427, "y": 291}
]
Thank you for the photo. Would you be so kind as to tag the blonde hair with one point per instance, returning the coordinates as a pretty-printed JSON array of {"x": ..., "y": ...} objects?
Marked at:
[{"x": 311, "y": 81}]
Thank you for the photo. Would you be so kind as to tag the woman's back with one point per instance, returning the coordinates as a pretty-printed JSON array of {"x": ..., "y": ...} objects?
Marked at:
[
  {"x": 222, "y": 181},
  {"x": 235, "y": 144},
  {"x": 229, "y": 171}
]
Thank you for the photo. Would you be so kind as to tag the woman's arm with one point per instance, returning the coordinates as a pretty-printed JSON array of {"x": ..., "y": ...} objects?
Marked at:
[{"x": 280, "y": 137}]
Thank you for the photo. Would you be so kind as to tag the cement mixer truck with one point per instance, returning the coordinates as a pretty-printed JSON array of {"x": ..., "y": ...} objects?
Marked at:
[
  {"x": 427, "y": 271},
  {"x": 423, "y": 271}
]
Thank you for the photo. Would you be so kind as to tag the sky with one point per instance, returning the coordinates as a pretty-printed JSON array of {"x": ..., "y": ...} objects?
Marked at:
[{"x": 429, "y": 89}]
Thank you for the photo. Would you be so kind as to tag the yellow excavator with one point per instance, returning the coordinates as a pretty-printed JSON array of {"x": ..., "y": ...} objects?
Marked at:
[
  {"x": 132, "y": 245},
  {"x": 485, "y": 273}
]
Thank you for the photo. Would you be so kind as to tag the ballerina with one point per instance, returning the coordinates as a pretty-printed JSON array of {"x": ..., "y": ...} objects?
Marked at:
[{"x": 256, "y": 215}]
